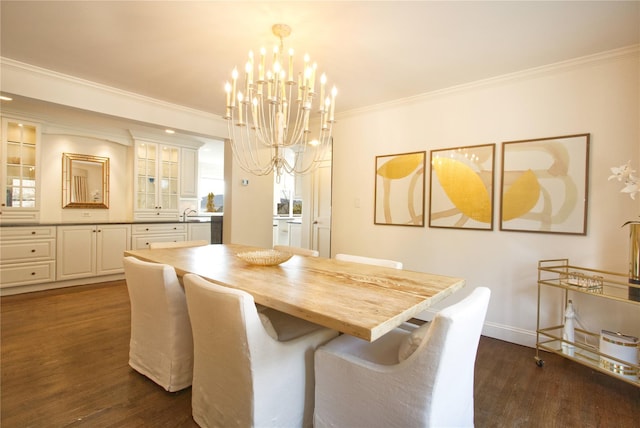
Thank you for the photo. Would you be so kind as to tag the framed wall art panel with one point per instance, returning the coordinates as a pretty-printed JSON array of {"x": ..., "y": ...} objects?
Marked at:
[
  {"x": 545, "y": 185},
  {"x": 462, "y": 187},
  {"x": 399, "y": 189}
]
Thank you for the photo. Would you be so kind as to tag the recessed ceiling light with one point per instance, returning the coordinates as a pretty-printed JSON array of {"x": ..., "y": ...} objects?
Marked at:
[
  {"x": 169, "y": 131},
  {"x": 5, "y": 98}
]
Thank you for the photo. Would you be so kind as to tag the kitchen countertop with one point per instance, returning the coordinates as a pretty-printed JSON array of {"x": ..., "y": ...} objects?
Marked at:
[{"x": 76, "y": 223}]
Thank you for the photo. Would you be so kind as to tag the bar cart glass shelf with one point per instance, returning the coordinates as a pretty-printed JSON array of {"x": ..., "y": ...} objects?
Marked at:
[{"x": 558, "y": 273}]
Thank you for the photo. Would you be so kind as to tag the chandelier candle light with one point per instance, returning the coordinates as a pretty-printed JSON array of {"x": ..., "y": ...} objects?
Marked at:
[{"x": 272, "y": 114}]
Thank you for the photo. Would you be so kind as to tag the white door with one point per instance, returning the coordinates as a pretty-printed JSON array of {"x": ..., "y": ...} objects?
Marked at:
[{"x": 321, "y": 233}]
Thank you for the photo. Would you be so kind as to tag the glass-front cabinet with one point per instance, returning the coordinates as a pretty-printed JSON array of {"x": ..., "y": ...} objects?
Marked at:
[
  {"x": 157, "y": 169},
  {"x": 20, "y": 146}
]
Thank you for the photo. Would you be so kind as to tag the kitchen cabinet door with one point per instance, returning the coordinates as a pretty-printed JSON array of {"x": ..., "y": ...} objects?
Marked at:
[
  {"x": 20, "y": 173},
  {"x": 188, "y": 173},
  {"x": 76, "y": 251},
  {"x": 157, "y": 181},
  {"x": 91, "y": 250},
  {"x": 112, "y": 241}
]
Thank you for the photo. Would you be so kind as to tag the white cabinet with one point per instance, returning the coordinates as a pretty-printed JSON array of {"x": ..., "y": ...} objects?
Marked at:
[
  {"x": 283, "y": 232},
  {"x": 199, "y": 231},
  {"x": 143, "y": 234},
  {"x": 91, "y": 250},
  {"x": 156, "y": 186},
  {"x": 20, "y": 173},
  {"x": 113, "y": 241},
  {"x": 188, "y": 173},
  {"x": 295, "y": 234},
  {"x": 27, "y": 255}
]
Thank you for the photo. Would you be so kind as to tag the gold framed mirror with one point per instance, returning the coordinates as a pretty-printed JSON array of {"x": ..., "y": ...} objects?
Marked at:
[{"x": 85, "y": 181}]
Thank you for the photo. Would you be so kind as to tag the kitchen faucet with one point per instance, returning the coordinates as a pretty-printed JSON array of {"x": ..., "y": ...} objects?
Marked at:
[{"x": 186, "y": 212}]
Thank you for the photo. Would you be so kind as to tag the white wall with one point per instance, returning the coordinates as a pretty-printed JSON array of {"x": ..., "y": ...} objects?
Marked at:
[
  {"x": 598, "y": 95},
  {"x": 120, "y": 183},
  {"x": 248, "y": 209}
]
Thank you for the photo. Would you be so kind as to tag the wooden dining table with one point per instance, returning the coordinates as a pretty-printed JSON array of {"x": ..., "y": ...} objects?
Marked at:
[{"x": 357, "y": 299}]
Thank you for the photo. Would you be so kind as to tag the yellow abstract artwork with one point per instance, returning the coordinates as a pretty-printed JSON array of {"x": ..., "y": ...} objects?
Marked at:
[
  {"x": 462, "y": 187},
  {"x": 545, "y": 185},
  {"x": 399, "y": 189}
]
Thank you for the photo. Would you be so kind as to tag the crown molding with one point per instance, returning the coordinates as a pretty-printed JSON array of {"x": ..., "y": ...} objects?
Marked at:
[
  {"x": 30, "y": 81},
  {"x": 602, "y": 57},
  {"x": 119, "y": 131}
]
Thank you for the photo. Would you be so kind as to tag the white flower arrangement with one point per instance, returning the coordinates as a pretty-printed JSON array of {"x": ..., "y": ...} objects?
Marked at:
[{"x": 626, "y": 174}]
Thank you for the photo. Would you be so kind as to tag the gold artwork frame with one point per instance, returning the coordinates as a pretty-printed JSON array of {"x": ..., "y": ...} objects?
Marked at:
[
  {"x": 85, "y": 181},
  {"x": 399, "y": 189},
  {"x": 545, "y": 185},
  {"x": 462, "y": 187}
]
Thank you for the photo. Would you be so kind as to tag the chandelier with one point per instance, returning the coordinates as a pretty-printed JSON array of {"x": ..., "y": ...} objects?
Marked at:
[{"x": 279, "y": 121}]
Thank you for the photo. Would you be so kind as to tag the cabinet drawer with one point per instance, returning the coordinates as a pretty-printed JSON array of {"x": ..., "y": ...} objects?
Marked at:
[
  {"x": 142, "y": 242},
  {"x": 33, "y": 273},
  {"x": 147, "y": 228},
  {"x": 38, "y": 232},
  {"x": 155, "y": 216},
  {"x": 19, "y": 215},
  {"x": 27, "y": 251}
]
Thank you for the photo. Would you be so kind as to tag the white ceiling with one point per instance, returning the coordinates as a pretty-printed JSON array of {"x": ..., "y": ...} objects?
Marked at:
[{"x": 182, "y": 52}]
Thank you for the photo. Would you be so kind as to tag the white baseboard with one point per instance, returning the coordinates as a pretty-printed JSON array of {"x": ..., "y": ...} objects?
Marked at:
[
  {"x": 498, "y": 331},
  {"x": 510, "y": 334}
]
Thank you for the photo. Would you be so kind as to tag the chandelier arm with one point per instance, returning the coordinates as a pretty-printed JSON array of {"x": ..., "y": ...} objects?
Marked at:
[
  {"x": 237, "y": 148},
  {"x": 264, "y": 131},
  {"x": 319, "y": 151},
  {"x": 245, "y": 150},
  {"x": 296, "y": 134},
  {"x": 287, "y": 109},
  {"x": 256, "y": 152},
  {"x": 272, "y": 124},
  {"x": 302, "y": 167}
]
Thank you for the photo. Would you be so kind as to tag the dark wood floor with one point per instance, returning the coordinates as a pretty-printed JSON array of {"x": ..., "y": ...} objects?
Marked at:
[{"x": 64, "y": 363}]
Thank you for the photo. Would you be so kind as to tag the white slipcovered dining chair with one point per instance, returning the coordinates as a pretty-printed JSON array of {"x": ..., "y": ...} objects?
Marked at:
[
  {"x": 161, "y": 345},
  {"x": 369, "y": 261},
  {"x": 297, "y": 250},
  {"x": 244, "y": 374},
  {"x": 179, "y": 244},
  {"x": 422, "y": 378}
]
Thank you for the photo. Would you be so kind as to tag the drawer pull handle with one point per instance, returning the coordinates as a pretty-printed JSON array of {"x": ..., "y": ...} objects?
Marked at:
[
  {"x": 33, "y": 273},
  {"x": 33, "y": 232},
  {"x": 33, "y": 251}
]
